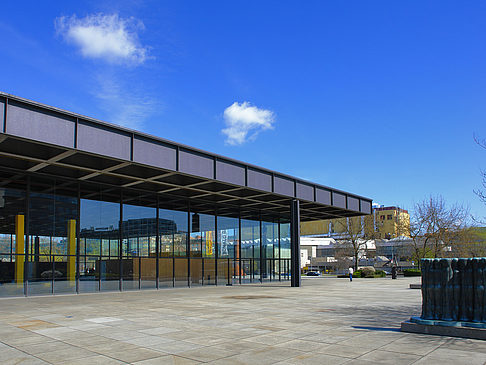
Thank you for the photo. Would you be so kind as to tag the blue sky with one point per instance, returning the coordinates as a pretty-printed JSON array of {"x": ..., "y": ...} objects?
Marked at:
[{"x": 380, "y": 98}]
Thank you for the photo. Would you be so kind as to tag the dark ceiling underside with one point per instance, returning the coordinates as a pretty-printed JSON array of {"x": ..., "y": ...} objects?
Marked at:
[{"x": 99, "y": 175}]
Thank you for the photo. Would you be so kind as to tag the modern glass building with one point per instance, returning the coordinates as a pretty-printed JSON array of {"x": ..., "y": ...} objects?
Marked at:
[{"x": 86, "y": 206}]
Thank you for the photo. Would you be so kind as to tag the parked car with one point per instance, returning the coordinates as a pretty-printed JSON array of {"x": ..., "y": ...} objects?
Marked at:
[{"x": 313, "y": 273}]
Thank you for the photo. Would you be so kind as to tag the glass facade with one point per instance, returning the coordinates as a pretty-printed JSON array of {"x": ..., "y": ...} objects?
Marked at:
[{"x": 72, "y": 237}]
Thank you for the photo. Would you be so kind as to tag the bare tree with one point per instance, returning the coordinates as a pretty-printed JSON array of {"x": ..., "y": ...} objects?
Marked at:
[
  {"x": 353, "y": 231},
  {"x": 481, "y": 193},
  {"x": 434, "y": 226},
  {"x": 343, "y": 254}
]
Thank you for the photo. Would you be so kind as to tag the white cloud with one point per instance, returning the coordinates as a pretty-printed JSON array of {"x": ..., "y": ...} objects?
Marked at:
[
  {"x": 244, "y": 122},
  {"x": 106, "y": 37}
]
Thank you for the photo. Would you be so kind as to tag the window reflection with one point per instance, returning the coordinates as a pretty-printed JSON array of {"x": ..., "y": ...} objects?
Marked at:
[
  {"x": 99, "y": 267},
  {"x": 194, "y": 248}
]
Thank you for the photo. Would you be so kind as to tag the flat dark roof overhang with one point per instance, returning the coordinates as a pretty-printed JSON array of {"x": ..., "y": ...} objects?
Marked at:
[{"x": 42, "y": 140}]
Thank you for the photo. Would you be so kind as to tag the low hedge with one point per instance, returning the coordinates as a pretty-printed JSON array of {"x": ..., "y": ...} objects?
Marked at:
[
  {"x": 412, "y": 272},
  {"x": 380, "y": 274},
  {"x": 359, "y": 274},
  {"x": 356, "y": 274}
]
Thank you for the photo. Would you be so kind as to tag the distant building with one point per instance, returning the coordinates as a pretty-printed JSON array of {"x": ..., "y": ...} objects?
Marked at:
[{"x": 391, "y": 222}]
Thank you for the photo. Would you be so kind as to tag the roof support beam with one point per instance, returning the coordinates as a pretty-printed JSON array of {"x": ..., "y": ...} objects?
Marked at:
[
  {"x": 50, "y": 161},
  {"x": 104, "y": 171},
  {"x": 150, "y": 179}
]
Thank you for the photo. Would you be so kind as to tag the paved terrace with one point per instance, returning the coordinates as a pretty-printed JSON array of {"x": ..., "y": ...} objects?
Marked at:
[{"x": 327, "y": 321}]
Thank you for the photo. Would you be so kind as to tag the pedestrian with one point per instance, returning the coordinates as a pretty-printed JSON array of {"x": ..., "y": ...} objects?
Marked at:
[{"x": 351, "y": 274}]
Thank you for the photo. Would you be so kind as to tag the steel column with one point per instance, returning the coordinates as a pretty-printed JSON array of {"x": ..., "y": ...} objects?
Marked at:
[
  {"x": 262, "y": 266},
  {"x": 295, "y": 243},
  {"x": 78, "y": 238},
  {"x": 157, "y": 244},
  {"x": 120, "y": 247},
  {"x": 188, "y": 245}
]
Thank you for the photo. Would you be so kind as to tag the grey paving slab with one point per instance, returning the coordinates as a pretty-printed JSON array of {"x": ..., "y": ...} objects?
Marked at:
[
  {"x": 26, "y": 360},
  {"x": 93, "y": 360},
  {"x": 44, "y": 347},
  {"x": 311, "y": 359},
  {"x": 327, "y": 321},
  {"x": 130, "y": 355},
  {"x": 302, "y": 345},
  {"x": 206, "y": 354},
  {"x": 388, "y": 357},
  {"x": 61, "y": 355},
  {"x": 168, "y": 360},
  {"x": 448, "y": 356},
  {"x": 347, "y": 351}
]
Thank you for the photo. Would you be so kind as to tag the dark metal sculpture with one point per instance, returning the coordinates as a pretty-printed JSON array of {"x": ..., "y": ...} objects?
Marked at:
[{"x": 454, "y": 290}]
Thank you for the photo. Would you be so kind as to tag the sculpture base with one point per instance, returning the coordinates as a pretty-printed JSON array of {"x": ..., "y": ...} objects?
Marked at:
[{"x": 445, "y": 328}]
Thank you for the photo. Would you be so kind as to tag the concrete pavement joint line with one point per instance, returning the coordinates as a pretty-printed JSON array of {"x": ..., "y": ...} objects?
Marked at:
[
  {"x": 93, "y": 351},
  {"x": 30, "y": 355}
]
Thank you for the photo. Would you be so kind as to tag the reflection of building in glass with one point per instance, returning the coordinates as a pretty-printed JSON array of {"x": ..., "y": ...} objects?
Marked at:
[{"x": 384, "y": 223}]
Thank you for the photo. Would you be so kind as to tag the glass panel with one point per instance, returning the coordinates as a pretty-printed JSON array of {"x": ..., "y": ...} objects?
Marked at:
[
  {"x": 148, "y": 272},
  {"x": 99, "y": 245},
  {"x": 209, "y": 271},
  {"x": 52, "y": 239},
  {"x": 180, "y": 270},
  {"x": 269, "y": 270},
  {"x": 284, "y": 264},
  {"x": 235, "y": 270},
  {"x": 131, "y": 273},
  {"x": 173, "y": 233},
  {"x": 286, "y": 271},
  {"x": 139, "y": 230},
  {"x": 228, "y": 244},
  {"x": 246, "y": 271},
  {"x": 12, "y": 204},
  {"x": 285, "y": 240},
  {"x": 225, "y": 269},
  {"x": 89, "y": 270},
  {"x": 64, "y": 274},
  {"x": 203, "y": 244},
  {"x": 250, "y": 238},
  {"x": 256, "y": 270},
  {"x": 8, "y": 285},
  {"x": 165, "y": 272},
  {"x": 41, "y": 273},
  {"x": 270, "y": 240},
  {"x": 228, "y": 241},
  {"x": 108, "y": 272},
  {"x": 196, "y": 271},
  {"x": 203, "y": 235}
]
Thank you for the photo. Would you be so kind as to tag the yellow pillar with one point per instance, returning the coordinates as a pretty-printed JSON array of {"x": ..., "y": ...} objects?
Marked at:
[
  {"x": 19, "y": 248},
  {"x": 71, "y": 259}
]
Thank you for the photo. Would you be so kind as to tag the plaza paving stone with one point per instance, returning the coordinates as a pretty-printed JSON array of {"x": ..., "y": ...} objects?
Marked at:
[{"x": 327, "y": 321}]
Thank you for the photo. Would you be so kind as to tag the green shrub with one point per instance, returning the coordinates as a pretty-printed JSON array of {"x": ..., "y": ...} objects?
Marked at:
[
  {"x": 380, "y": 274},
  {"x": 412, "y": 272}
]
